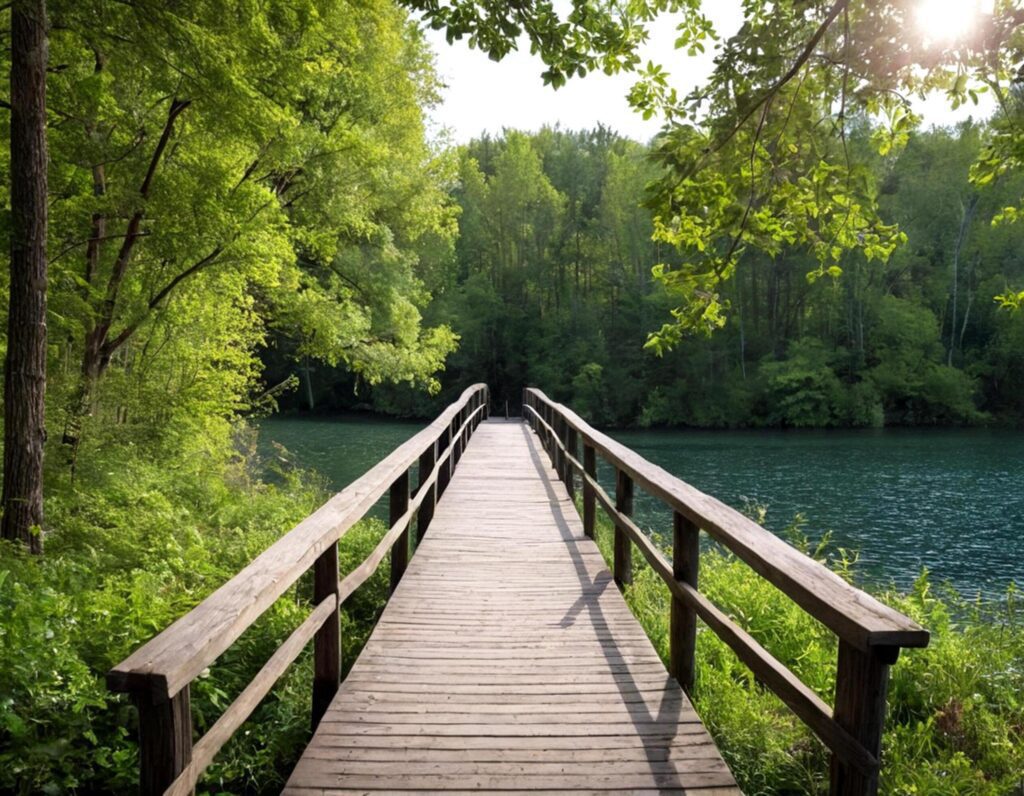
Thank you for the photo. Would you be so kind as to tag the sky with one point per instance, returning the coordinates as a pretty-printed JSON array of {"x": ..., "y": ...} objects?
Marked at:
[{"x": 484, "y": 96}]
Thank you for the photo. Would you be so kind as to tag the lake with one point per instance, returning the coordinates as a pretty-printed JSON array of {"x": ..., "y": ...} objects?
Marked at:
[{"x": 951, "y": 500}]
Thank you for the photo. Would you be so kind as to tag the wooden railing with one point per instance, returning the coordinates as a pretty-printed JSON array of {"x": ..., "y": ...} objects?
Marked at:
[
  {"x": 870, "y": 634},
  {"x": 158, "y": 674}
]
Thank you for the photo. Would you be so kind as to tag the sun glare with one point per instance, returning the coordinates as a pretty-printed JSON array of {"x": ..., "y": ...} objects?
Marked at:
[{"x": 945, "y": 21}]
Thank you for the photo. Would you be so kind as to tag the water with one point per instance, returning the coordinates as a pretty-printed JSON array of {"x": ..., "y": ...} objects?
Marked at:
[{"x": 950, "y": 500}]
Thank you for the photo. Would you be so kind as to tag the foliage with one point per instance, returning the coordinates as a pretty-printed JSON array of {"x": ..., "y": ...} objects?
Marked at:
[
  {"x": 761, "y": 156},
  {"x": 955, "y": 722},
  {"x": 550, "y": 285},
  {"x": 222, "y": 173},
  {"x": 135, "y": 544}
]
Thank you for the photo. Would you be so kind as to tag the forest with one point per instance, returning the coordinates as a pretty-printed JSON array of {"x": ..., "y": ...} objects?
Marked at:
[
  {"x": 225, "y": 210},
  {"x": 550, "y": 284}
]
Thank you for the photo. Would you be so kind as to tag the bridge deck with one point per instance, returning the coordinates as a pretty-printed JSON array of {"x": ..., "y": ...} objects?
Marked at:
[{"x": 507, "y": 660}]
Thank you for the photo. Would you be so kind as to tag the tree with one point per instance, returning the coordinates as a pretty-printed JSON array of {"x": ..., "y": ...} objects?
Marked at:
[
  {"x": 25, "y": 362},
  {"x": 295, "y": 173},
  {"x": 759, "y": 157}
]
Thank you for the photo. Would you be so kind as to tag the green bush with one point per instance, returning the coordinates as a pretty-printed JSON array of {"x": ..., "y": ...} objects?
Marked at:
[{"x": 133, "y": 546}]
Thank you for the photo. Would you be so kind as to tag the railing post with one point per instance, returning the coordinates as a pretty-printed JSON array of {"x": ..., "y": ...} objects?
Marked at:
[
  {"x": 862, "y": 679},
  {"x": 165, "y": 740},
  {"x": 589, "y": 498},
  {"x": 623, "y": 548},
  {"x": 327, "y": 640},
  {"x": 426, "y": 512},
  {"x": 682, "y": 640},
  {"x": 572, "y": 444},
  {"x": 456, "y": 438},
  {"x": 444, "y": 474},
  {"x": 560, "y": 440},
  {"x": 399, "y": 502}
]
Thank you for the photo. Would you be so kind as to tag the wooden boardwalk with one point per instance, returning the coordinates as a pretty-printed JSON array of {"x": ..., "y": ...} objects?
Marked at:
[{"x": 507, "y": 660}]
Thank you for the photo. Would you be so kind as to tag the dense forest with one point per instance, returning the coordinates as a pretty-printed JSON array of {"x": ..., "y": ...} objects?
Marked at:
[
  {"x": 218, "y": 209},
  {"x": 550, "y": 284}
]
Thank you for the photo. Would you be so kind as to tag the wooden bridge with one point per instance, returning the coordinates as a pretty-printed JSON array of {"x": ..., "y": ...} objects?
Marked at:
[{"x": 506, "y": 660}]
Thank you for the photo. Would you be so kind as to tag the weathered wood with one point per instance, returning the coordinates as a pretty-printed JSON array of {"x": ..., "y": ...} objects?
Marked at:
[
  {"x": 589, "y": 507},
  {"x": 683, "y": 621},
  {"x": 443, "y": 449},
  {"x": 572, "y": 443},
  {"x": 167, "y": 663},
  {"x": 327, "y": 641},
  {"x": 426, "y": 512},
  {"x": 507, "y": 661},
  {"x": 850, "y": 613},
  {"x": 246, "y": 702},
  {"x": 165, "y": 740},
  {"x": 806, "y": 704},
  {"x": 623, "y": 549},
  {"x": 398, "y": 504},
  {"x": 862, "y": 680}
]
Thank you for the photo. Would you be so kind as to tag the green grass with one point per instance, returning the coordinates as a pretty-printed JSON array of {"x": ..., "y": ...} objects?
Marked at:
[{"x": 956, "y": 709}]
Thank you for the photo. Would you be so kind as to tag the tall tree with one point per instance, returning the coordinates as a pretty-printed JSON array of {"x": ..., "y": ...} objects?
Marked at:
[{"x": 25, "y": 363}]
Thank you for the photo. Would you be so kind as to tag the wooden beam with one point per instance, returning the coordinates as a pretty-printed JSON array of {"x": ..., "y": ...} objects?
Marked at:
[
  {"x": 171, "y": 660},
  {"x": 623, "y": 548},
  {"x": 165, "y": 740},
  {"x": 426, "y": 512},
  {"x": 589, "y": 507},
  {"x": 327, "y": 640},
  {"x": 683, "y": 621},
  {"x": 572, "y": 443},
  {"x": 862, "y": 680},
  {"x": 398, "y": 505},
  {"x": 849, "y": 612}
]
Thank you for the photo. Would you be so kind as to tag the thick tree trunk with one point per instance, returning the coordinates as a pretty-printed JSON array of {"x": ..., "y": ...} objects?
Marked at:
[{"x": 25, "y": 364}]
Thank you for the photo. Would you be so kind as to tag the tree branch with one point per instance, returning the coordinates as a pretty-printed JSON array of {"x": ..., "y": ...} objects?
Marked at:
[{"x": 792, "y": 72}]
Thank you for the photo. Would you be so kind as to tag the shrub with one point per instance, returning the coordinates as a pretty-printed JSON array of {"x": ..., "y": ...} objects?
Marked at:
[{"x": 132, "y": 549}]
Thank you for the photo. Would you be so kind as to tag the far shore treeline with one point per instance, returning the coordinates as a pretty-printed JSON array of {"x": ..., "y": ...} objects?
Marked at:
[{"x": 550, "y": 285}]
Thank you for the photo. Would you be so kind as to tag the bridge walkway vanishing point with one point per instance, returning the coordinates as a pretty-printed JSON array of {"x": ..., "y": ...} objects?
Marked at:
[{"x": 507, "y": 660}]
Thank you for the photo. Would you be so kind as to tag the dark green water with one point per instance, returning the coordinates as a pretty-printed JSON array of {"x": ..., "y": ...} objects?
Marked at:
[{"x": 947, "y": 499}]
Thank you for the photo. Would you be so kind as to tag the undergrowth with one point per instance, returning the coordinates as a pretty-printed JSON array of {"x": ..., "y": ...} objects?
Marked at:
[{"x": 131, "y": 548}]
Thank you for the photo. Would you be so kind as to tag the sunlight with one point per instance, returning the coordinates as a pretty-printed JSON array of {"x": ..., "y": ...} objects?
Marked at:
[{"x": 944, "y": 21}]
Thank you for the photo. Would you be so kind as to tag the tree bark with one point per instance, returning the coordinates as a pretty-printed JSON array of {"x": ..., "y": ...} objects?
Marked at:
[{"x": 25, "y": 363}]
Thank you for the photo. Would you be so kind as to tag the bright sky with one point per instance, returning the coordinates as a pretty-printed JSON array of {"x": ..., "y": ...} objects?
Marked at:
[{"x": 486, "y": 96}]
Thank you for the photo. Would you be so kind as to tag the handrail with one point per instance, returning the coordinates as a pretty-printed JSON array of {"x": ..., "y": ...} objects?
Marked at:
[
  {"x": 871, "y": 634},
  {"x": 850, "y": 613},
  {"x": 159, "y": 672}
]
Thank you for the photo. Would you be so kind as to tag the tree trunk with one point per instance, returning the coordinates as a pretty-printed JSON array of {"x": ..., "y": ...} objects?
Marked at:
[{"x": 25, "y": 364}]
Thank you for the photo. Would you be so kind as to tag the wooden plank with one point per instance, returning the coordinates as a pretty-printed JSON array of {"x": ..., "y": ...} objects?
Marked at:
[
  {"x": 505, "y": 660},
  {"x": 852, "y": 614}
]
